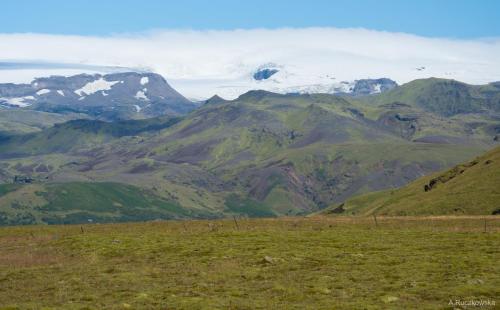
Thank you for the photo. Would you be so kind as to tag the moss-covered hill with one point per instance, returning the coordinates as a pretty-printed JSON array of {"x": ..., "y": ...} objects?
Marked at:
[
  {"x": 469, "y": 188},
  {"x": 444, "y": 97}
]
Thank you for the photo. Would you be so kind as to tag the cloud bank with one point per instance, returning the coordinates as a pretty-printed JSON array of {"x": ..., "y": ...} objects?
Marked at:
[{"x": 202, "y": 63}]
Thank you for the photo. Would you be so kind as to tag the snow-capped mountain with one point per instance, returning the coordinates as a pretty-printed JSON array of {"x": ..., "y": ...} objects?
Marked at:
[
  {"x": 128, "y": 95},
  {"x": 200, "y": 64},
  {"x": 281, "y": 79},
  {"x": 117, "y": 95}
]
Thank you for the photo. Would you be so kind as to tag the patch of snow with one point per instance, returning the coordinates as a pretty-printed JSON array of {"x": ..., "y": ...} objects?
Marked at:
[
  {"x": 137, "y": 108},
  {"x": 376, "y": 89},
  {"x": 60, "y": 92},
  {"x": 144, "y": 80},
  {"x": 18, "y": 101},
  {"x": 95, "y": 86},
  {"x": 104, "y": 93},
  {"x": 285, "y": 81},
  {"x": 140, "y": 95},
  {"x": 43, "y": 92},
  {"x": 81, "y": 98},
  {"x": 345, "y": 87}
]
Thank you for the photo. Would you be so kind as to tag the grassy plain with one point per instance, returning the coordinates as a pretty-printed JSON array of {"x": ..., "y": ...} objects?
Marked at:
[{"x": 282, "y": 263}]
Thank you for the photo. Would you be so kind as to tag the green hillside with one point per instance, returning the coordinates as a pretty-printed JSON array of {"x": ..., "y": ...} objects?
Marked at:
[
  {"x": 444, "y": 97},
  {"x": 266, "y": 154},
  {"x": 83, "y": 202},
  {"x": 469, "y": 188},
  {"x": 25, "y": 121},
  {"x": 79, "y": 134}
]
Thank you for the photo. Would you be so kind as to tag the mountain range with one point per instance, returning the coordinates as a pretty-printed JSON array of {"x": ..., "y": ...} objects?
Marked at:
[
  {"x": 283, "y": 80},
  {"x": 261, "y": 154},
  {"x": 277, "y": 79}
]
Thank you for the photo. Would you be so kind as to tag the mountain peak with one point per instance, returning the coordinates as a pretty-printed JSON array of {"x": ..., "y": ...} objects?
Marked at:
[
  {"x": 215, "y": 99},
  {"x": 258, "y": 94},
  {"x": 121, "y": 95}
]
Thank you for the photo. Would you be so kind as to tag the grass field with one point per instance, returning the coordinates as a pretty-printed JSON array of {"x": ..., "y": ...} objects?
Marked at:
[{"x": 283, "y": 263}]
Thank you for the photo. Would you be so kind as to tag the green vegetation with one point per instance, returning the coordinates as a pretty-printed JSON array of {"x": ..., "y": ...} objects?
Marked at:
[
  {"x": 80, "y": 134},
  {"x": 444, "y": 97},
  {"x": 288, "y": 263},
  {"x": 83, "y": 202},
  {"x": 247, "y": 206},
  {"x": 7, "y": 188},
  {"x": 469, "y": 188},
  {"x": 279, "y": 154},
  {"x": 13, "y": 121}
]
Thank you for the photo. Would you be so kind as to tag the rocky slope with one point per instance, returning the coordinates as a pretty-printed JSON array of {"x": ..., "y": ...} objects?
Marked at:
[{"x": 126, "y": 95}]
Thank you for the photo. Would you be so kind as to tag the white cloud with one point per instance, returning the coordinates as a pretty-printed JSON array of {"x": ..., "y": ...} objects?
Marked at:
[{"x": 202, "y": 63}]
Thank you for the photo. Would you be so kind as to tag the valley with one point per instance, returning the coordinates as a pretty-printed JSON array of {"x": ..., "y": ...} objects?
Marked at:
[
  {"x": 242, "y": 155},
  {"x": 262, "y": 154}
]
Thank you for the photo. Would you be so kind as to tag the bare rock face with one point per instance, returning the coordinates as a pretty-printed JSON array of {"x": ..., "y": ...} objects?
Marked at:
[
  {"x": 372, "y": 86},
  {"x": 264, "y": 74}
]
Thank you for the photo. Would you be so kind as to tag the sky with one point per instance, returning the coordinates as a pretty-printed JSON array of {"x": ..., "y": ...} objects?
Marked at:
[
  {"x": 430, "y": 18},
  {"x": 213, "y": 47}
]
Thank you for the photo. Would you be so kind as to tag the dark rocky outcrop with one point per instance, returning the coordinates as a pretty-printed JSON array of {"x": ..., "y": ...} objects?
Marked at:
[
  {"x": 264, "y": 74},
  {"x": 338, "y": 210},
  {"x": 19, "y": 179},
  {"x": 456, "y": 171}
]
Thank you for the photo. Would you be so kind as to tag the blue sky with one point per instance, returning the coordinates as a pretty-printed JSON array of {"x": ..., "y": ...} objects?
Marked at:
[{"x": 432, "y": 18}]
